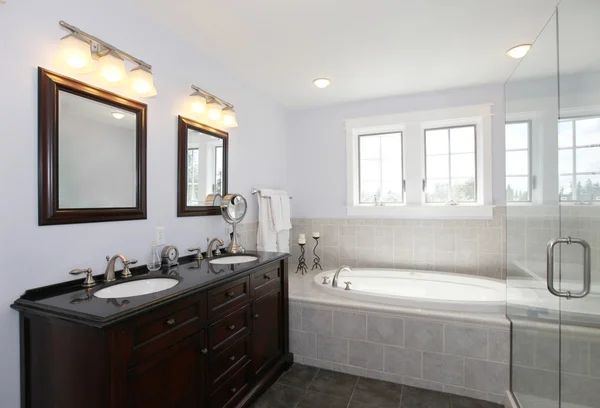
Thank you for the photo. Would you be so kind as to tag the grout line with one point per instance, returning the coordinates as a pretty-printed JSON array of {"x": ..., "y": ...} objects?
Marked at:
[{"x": 353, "y": 389}]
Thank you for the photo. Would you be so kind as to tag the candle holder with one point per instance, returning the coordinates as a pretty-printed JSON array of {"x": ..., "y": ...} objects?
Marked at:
[
  {"x": 301, "y": 261},
  {"x": 317, "y": 260}
]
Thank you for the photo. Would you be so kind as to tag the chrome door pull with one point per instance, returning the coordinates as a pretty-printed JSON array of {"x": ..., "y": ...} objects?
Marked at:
[{"x": 587, "y": 267}]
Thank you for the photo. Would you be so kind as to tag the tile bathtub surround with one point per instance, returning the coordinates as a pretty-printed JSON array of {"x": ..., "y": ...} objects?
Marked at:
[
  {"x": 309, "y": 387},
  {"x": 474, "y": 247}
]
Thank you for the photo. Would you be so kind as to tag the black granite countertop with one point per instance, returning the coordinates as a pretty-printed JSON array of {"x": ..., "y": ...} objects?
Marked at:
[{"x": 70, "y": 301}]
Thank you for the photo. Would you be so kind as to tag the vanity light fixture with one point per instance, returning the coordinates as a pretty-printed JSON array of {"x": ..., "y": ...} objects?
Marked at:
[
  {"x": 322, "y": 82},
  {"x": 118, "y": 115},
  {"x": 215, "y": 107},
  {"x": 519, "y": 51},
  {"x": 79, "y": 49}
]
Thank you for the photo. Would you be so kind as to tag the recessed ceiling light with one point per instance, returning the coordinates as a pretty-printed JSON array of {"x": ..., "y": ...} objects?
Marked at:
[
  {"x": 118, "y": 115},
  {"x": 519, "y": 51},
  {"x": 321, "y": 82}
]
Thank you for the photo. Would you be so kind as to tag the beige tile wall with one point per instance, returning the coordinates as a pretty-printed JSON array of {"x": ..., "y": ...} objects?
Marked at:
[{"x": 474, "y": 247}]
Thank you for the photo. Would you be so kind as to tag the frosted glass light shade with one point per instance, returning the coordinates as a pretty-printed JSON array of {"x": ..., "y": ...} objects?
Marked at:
[
  {"x": 519, "y": 51},
  {"x": 142, "y": 82},
  {"x": 229, "y": 119},
  {"x": 214, "y": 109},
  {"x": 112, "y": 68},
  {"x": 76, "y": 54},
  {"x": 198, "y": 103}
]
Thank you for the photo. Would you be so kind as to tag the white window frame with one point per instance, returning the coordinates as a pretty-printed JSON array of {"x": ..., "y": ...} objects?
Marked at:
[
  {"x": 413, "y": 125},
  {"x": 531, "y": 180}
]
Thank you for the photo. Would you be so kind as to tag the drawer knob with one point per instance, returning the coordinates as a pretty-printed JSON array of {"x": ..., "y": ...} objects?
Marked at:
[
  {"x": 231, "y": 294},
  {"x": 171, "y": 322},
  {"x": 204, "y": 351},
  {"x": 256, "y": 315},
  {"x": 232, "y": 358},
  {"x": 232, "y": 327},
  {"x": 267, "y": 277},
  {"x": 233, "y": 390}
]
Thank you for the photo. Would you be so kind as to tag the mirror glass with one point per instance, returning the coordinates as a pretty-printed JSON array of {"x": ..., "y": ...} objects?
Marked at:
[
  {"x": 97, "y": 154},
  {"x": 204, "y": 167}
]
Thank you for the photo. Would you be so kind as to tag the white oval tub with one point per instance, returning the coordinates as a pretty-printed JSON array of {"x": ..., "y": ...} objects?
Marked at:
[{"x": 419, "y": 289}]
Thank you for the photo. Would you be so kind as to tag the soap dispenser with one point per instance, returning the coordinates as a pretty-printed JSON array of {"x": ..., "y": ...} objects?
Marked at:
[{"x": 154, "y": 260}]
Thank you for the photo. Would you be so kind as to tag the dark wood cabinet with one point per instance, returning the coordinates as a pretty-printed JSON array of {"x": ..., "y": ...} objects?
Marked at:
[{"x": 219, "y": 346}]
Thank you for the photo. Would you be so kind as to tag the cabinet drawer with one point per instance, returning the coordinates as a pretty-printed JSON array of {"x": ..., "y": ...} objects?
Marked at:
[
  {"x": 229, "y": 329},
  {"x": 227, "y": 296},
  {"x": 232, "y": 391},
  {"x": 228, "y": 361},
  {"x": 263, "y": 281},
  {"x": 160, "y": 329}
]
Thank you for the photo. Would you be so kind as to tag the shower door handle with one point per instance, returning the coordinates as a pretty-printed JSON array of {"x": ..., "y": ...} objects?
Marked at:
[{"x": 587, "y": 267}]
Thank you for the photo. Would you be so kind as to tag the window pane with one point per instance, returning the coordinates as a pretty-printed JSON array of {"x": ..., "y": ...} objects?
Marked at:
[
  {"x": 588, "y": 188},
  {"x": 517, "y": 163},
  {"x": 517, "y": 189},
  {"x": 517, "y": 136},
  {"x": 436, "y": 141},
  {"x": 463, "y": 165},
  {"x": 565, "y": 133},
  {"x": 436, "y": 191},
  {"x": 462, "y": 140},
  {"x": 565, "y": 161},
  {"x": 588, "y": 159},
  {"x": 370, "y": 147},
  {"x": 392, "y": 170},
  {"x": 587, "y": 132},
  {"x": 565, "y": 187},
  {"x": 368, "y": 191},
  {"x": 437, "y": 167},
  {"x": 391, "y": 192},
  {"x": 391, "y": 146},
  {"x": 370, "y": 170},
  {"x": 463, "y": 190}
]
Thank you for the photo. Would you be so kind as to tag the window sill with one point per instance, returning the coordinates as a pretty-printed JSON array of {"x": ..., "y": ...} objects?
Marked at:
[{"x": 456, "y": 212}]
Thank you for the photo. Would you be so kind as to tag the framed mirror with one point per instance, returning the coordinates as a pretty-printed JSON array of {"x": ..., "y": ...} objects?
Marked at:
[
  {"x": 92, "y": 153},
  {"x": 202, "y": 168}
]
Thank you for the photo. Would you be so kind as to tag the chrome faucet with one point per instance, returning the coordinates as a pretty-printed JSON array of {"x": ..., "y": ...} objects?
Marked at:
[
  {"x": 109, "y": 273},
  {"x": 209, "y": 252},
  {"x": 337, "y": 273}
]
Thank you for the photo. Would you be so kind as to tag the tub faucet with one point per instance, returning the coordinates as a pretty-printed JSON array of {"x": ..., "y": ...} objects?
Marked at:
[{"x": 337, "y": 273}]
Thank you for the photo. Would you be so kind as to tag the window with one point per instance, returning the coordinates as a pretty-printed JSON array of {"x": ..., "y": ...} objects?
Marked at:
[
  {"x": 193, "y": 174},
  {"x": 579, "y": 159},
  {"x": 518, "y": 161},
  {"x": 450, "y": 165},
  {"x": 381, "y": 172}
]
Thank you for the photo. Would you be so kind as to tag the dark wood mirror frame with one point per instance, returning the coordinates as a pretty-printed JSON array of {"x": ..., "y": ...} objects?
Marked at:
[
  {"x": 49, "y": 85},
  {"x": 183, "y": 124}
]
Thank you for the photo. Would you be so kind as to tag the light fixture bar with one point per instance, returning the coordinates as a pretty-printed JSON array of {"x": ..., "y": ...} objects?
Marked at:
[
  {"x": 208, "y": 95},
  {"x": 104, "y": 44}
]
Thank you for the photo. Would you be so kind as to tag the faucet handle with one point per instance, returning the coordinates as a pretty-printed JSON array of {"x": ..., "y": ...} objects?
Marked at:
[
  {"x": 326, "y": 280},
  {"x": 198, "y": 254},
  {"x": 89, "y": 281},
  {"x": 347, "y": 285},
  {"x": 126, "y": 272}
]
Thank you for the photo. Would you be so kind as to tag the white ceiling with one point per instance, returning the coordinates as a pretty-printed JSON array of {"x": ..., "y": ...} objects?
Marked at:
[{"x": 368, "y": 48}]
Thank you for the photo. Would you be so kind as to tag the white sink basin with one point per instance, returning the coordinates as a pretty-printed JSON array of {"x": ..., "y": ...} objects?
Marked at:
[
  {"x": 136, "y": 288},
  {"x": 234, "y": 259}
]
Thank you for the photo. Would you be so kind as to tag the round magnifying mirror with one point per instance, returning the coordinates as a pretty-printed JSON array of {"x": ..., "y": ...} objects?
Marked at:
[{"x": 233, "y": 209}]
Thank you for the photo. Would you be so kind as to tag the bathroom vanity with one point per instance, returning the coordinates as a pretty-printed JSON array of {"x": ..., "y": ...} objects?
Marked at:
[{"x": 217, "y": 339}]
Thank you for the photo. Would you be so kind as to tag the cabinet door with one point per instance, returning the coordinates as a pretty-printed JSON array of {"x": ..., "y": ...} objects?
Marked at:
[
  {"x": 267, "y": 336},
  {"x": 173, "y": 378}
]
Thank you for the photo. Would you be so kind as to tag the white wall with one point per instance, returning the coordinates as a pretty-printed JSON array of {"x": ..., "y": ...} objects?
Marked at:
[
  {"x": 33, "y": 256},
  {"x": 317, "y": 152}
]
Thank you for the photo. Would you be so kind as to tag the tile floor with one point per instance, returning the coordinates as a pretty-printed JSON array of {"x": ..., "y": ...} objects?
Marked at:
[{"x": 309, "y": 387}]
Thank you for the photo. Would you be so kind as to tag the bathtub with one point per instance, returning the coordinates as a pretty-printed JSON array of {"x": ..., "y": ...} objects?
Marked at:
[{"x": 419, "y": 289}]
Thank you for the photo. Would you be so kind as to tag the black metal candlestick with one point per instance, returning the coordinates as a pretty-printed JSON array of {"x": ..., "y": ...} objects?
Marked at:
[
  {"x": 317, "y": 260},
  {"x": 301, "y": 261}
]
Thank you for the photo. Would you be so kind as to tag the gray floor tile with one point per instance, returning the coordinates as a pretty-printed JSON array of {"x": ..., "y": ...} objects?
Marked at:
[
  {"x": 279, "y": 396},
  {"x": 466, "y": 402},
  {"x": 333, "y": 383},
  {"x": 375, "y": 393},
  {"x": 419, "y": 398},
  {"x": 314, "y": 399},
  {"x": 354, "y": 404},
  {"x": 298, "y": 375}
]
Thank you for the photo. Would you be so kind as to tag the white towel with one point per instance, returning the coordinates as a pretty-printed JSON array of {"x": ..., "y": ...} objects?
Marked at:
[{"x": 274, "y": 221}]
